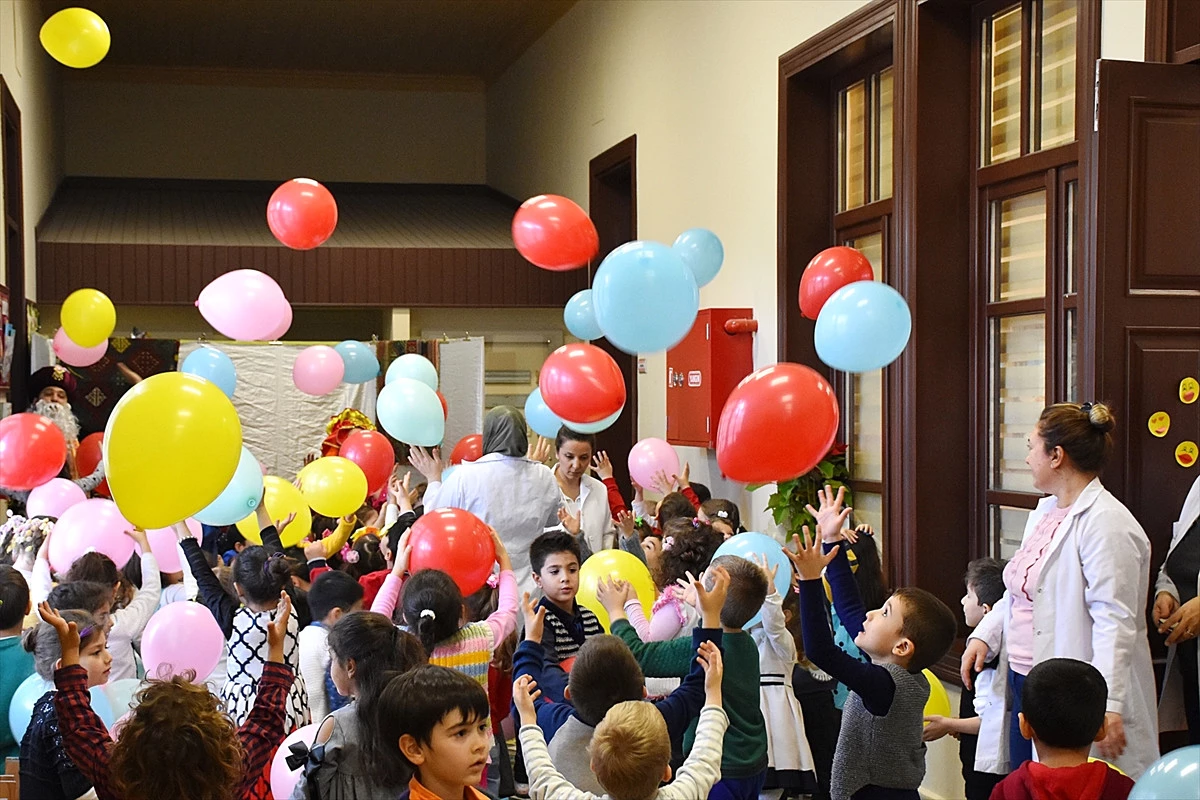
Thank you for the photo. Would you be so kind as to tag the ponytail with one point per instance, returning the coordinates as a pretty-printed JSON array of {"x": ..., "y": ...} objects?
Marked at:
[{"x": 432, "y": 604}]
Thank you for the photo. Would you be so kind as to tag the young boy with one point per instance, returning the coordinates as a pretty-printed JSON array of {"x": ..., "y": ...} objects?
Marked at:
[
  {"x": 631, "y": 749},
  {"x": 331, "y": 595},
  {"x": 16, "y": 663},
  {"x": 744, "y": 758},
  {"x": 980, "y": 710},
  {"x": 887, "y": 696},
  {"x": 554, "y": 559},
  {"x": 1063, "y": 704}
]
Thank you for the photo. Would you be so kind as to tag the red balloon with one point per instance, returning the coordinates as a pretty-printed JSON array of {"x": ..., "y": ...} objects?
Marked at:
[
  {"x": 468, "y": 449},
  {"x": 302, "y": 214},
  {"x": 582, "y": 383},
  {"x": 554, "y": 233},
  {"x": 777, "y": 424},
  {"x": 87, "y": 458},
  {"x": 445, "y": 407},
  {"x": 458, "y": 543},
  {"x": 830, "y": 270},
  {"x": 32, "y": 451},
  {"x": 373, "y": 454}
]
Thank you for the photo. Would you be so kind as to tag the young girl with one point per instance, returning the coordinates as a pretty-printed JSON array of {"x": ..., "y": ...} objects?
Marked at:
[
  {"x": 687, "y": 549},
  {"x": 723, "y": 515},
  {"x": 47, "y": 770}
]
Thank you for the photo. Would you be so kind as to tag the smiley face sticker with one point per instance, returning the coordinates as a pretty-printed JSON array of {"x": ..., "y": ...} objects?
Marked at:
[
  {"x": 1189, "y": 390},
  {"x": 1159, "y": 423},
  {"x": 1186, "y": 454}
]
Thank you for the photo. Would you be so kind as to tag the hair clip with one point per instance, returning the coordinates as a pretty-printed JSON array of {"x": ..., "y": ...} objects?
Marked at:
[
  {"x": 695, "y": 522},
  {"x": 428, "y": 612},
  {"x": 1086, "y": 407},
  {"x": 86, "y": 632},
  {"x": 270, "y": 559},
  {"x": 493, "y": 580},
  {"x": 723, "y": 514},
  {"x": 668, "y": 542}
]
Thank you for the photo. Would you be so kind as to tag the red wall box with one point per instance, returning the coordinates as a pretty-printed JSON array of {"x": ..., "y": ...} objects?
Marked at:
[{"x": 701, "y": 372}]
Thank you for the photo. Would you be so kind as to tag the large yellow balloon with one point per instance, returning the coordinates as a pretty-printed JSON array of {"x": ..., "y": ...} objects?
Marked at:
[
  {"x": 619, "y": 564},
  {"x": 88, "y": 317},
  {"x": 76, "y": 37},
  {"x": 282, "y": 499},
  {"x": 333, "y": 486},
  {"x": 938, "y": 703},
  {"x": 171, "y": 446}
]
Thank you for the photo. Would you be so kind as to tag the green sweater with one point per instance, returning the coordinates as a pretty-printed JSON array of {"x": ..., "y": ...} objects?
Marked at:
[
  {"x": 16, "y": 664},
  {"x": 744, "y": 752}
]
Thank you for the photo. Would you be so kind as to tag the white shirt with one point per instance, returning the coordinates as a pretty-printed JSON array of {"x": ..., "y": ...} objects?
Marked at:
[
  {"x": 314, "y": 663},
  {"x": 595, "y": 515}
]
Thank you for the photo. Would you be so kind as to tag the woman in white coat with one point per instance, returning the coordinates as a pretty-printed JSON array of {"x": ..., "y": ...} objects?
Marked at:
[
  {"x": 586, "y": 512},
  {"x": 1076, "y": 588},
  {"x": 1177, "y": 614}
]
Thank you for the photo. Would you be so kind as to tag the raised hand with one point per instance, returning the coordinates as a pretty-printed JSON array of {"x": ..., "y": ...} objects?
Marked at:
[
  {"x": 830, "y": 517},
  {"x": 402, "y": 555},
  {"x": 427, "y": 462},
  {"x": 280, "y": 524},
  {"x": 314, "y": 551},
  {"x": 525, "y": 692},
  {"x": 613, "y": 593},
  {"x": 769, "y": 570},
  {"x": 569, "y": 521},
  {"x": 277, "y": 629},
  {"x": 139, "y": 537},
  {"x": 808, "y": 560},
  {"x": 68, "y": 633},
  {"x": 539, "y": 450},
  {"x": 664, "y": 484},
  {"x": 688, "y": 585},
  {"x": 709, "y": 656},
  {"x": 626, "y": 523},
  {"x": 711, "y": 601},
  {"x": 535, "y": 619},
  {"x": 602, "y": 465}
]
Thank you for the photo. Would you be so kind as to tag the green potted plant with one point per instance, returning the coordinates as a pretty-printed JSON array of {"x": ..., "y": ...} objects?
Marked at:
[{"x": 788, "y": 502}]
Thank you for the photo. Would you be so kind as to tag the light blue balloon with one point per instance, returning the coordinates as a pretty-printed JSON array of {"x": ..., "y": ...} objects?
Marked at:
[
  {"x": 20, "y": 710},
  {"x": 361, "y": 363},
  {"x": 541, "y": 419},
  {"x": 415, "y": 367},
  {"x": 212, "y": 365},
  {"x": 748, "y": 545},
  {"x": 410, "y": 411},
  {"x": 239, "y": 497},
  {"x": 862, "y": 327},
  {"x": 1175, "y": 775},
  {"x": 593, "y": 427},
  {"x": 580, "y": 316},
  {"x": 702, "y": 251},
  {"x": 645, "y": 297}
]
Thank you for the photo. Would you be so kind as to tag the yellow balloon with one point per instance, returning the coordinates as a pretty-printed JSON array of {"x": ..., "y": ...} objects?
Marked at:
[
  {"x": 88, "y": 317},
  {"x": 938, "y": 703},
  {"x": 1093, "y": 760},
  {"x": 76, "y": 37},
  {"x": 171, "y": 446},
  {"x": 616, "y": 563},
  {"x": 333, "y": 486},
  {"x": 282, "y": 499}
]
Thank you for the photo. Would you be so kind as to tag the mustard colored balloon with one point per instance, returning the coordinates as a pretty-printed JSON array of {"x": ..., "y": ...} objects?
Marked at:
[
  {"x": 76, "y": 37},
  {"x": 938, "y": 703},
  {"x": 88, "y": 317},
  {"x": 333, "y": 486},
  {"x": 171, "y": 446},
  {"x": 619, "y": 564},
  {"x": 282, "y": 499}
]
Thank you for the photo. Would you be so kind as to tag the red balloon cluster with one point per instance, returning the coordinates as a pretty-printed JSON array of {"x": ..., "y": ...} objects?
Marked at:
[
  {"x": 582, "y": 383},
  {"x": 830, "y": 270},
  {"x": 469, "y": 448},
  {"x": 456, "y": 542},
  {"x": 302, "y": 214},
  {"x": 778, "y": 423},
  {"x": 373, "y": 454},
  {"x": 554, "y": 233},
  {"x": 87, "y": 458},
  {"x": 32, "y": 451}
]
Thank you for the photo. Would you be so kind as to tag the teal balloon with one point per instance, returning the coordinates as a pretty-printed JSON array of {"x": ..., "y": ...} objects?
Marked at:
[
  {"x": 862, "y": 327},
  {"x": 593, "y": 427},
  {"x": 1175, "y": 775},
  {"x": 415, "y": 367},
  {"x": 541, "y": 419},
  {"x": 646, "y": 298},
  {"x": 360, "y": 360},
  {"x": 580, "y": 316},
  {"x": 411, "y": 412},
  {"x": 749, "y": 545},
  {"x": 240, "y": 497},
  {"x": 20, "y": 710},
  {"x": 214, "y": 366},
  {"x": 703, "y": 253}
]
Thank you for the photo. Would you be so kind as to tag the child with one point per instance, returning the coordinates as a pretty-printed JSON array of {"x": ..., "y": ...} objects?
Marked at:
[
  {"x": 15, "y": 663},
  {"x": 887, "y": 696},
  {"x": 332, "y": 594},
  {"x": 863, "y": 555},
  {"x": 1062, "y": 713},
  {"x": 48, "y": 772},
  {"x": 980, "y": 711},
  {"x": 688, "y": 547},
  {"x": 813, "y": 688},
  {"x": 630, "y": 751},
  {"x": 723, "y": 516},
  {"x": 177, "y": 742},
  {"x": 554, "y": 559},
  {"x": 744, "y": 759}
]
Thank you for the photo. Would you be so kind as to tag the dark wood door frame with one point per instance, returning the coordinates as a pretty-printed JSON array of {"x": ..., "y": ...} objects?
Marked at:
[{"x": 12, "y": 218}]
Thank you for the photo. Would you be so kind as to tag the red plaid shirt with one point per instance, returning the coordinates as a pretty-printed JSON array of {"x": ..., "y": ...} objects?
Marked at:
[{"x": 88, "y": 744}]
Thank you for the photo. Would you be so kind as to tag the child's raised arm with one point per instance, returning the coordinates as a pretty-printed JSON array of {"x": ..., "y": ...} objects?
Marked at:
[{"x": 503, "y": 620}]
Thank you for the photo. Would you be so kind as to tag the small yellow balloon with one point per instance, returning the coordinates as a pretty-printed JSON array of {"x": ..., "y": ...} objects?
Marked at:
[
  {"x": 88, "y": 317},
  {"x": 282, "y": 499},
  {"x": 938, "y": 703},
  {"x": 76, "y": 37},
  {"x": 333, "y": 486},
  {"x": 171, "y": 446},
  {"x": 618, "y": 564}
]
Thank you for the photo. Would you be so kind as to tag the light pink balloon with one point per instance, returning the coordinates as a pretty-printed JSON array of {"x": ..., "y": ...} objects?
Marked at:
[
  {"x": 318, "y": 370},
  {"x": 648, "y": 457},
  {"x": 284, "y": 778},
  {"x": 182, "y": 637},
  {"x": 70, "y": 353},
  {"x": 164, "y": 545},
  {"x": 53, "y": 497},
  {"x": 284, "y": 324},
  {"x": 94, "y": 524},
  {"x": 245, "y": 304}
]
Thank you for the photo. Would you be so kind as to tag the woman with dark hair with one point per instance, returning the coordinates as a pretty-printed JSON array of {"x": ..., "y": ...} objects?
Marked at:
[
  {"x": 1177, "y": 616},
  {"x": 585, "y": 512}
]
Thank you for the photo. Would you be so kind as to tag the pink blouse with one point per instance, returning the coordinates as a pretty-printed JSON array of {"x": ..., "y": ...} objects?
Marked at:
[
  {"x": 1021, "y": 579},
  {"x": 670, "y": 617}
]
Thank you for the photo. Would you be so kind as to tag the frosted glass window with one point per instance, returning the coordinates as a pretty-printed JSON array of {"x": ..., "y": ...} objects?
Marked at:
[
  {"x": 883, "y": 136},
  {"x": 868, "y": 508},
  {"x": 1018, "y": 394},
  {"x": 1072, "y": 228},
  {"x": 1007, "y": 526},
  {"x": 865, "y": 391},
  {"x": 1002, "y": 86},
  {"x": 1054, "y": 96},
  {"x": 1072, "y": 357},
  {"x": 852, "y": 121},
  {"x": 1018, "y": 263}
]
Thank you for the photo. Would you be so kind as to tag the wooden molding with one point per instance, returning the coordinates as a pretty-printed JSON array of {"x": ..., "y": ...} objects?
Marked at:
[{"x": 277, "y": 78}]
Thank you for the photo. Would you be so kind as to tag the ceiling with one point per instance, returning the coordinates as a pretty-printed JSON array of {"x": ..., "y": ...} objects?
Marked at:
[{"x": 461, "y": 38}]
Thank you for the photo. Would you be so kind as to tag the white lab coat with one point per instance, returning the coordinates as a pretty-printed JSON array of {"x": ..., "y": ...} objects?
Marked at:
[
  {"x": 1089, "y": 605},
  {"x": 991, "y": 750},
  {"x": 1170, "y": 706},
  {"x": 595, "y": 516}
]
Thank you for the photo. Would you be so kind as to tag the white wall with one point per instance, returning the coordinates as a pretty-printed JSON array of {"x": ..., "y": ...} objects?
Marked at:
[{"x": 1123, "y": 30}]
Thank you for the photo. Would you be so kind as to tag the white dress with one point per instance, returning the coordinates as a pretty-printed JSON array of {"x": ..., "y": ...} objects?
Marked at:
[
  {"x": 788, "y": 754},
  {"x": 247, "y": 650}
]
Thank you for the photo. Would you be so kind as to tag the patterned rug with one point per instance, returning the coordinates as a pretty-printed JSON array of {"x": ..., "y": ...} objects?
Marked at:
[{"x": 102, "y": 384}]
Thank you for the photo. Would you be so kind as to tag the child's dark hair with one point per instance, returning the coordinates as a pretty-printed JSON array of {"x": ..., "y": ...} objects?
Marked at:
[
  {"x": 93, "y": 566},
  {"x": 414, "y": 703},
  {"x": 482, "y": 604},
  {"x": 132, "y": 571},
  {"x": 368, "y": 557},
  {"x": 548, "y": 544},
  {"x": 332, "y": 590},
  {"x": 261, "y": 574},
  {"x": 228, "y": 538},
  {"x": 674, "y": 505},
  {"x": 43, "y": 641},
  {"x": 702, "y": 492},
  {"x": 869, "y": 573},
  {"x": 298, "y": 563},
  {"x": 88, "y": 595},
  {"x": 605, "y": 673},
  {"x": 565, "y": 435},
  {"x": 986, "y": 577},
  {"x": 690, "y": 549},
  {"x": 645, "y": 530},
  {"x": 1064, "y": 701},
  {"x": 928, "y": 623},
  {"x": 725, "y": 510},
  {"x": 432, "y": 605},
  {"x": 14, "y": 598},
  {"x": 748, "y": 590}
]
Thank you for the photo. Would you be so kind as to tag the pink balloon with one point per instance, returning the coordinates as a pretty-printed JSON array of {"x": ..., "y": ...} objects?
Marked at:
[
  {"x": 94, "y": 524},
  {"x": 284, "y": 778},
  {"x": 245, "y": 304},
  {"x": 164, "y": 545},
  {"x": 650, "y": 456},
  {"x": 70, "y": 353},
  {"x": 318, "y": 370},
  {"x": 52, "y": 498},
  {"x": 182, "y": 637},
  {"x": 284, "y": 324}
]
